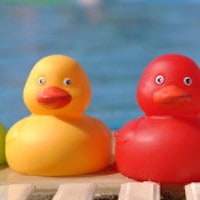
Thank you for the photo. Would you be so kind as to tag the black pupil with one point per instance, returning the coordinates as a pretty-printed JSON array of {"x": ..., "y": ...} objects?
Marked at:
[
  {"x": 187, "y": 80},
  {"x": 68, "y": 82}
]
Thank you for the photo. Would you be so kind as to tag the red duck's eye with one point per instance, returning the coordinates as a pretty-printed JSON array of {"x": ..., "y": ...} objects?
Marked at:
[
  {"x": 187, "y": 81},
  {"x": 160, "y": 79}
]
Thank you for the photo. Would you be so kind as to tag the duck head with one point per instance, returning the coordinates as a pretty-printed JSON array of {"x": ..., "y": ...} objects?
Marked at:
[
  {"x": 57, "y": 85},
  {"x": 170, "y": 86}
]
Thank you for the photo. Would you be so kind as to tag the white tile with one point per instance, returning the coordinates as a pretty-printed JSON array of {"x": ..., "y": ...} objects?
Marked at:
[
  {"x": 16, "y": 191},
  {"x": 75, "y": 191},
  {"x": 139, "y": 191}
]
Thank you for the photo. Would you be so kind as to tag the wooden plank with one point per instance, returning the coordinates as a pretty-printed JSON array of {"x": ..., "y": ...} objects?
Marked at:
[
  {"x": 16, "y": 191},
  {"x": 139, "y": 191},
  {"x": 75, "y": 191},
  {"x": 192, "y": 191},
  {"x": 103, "y": 178}
]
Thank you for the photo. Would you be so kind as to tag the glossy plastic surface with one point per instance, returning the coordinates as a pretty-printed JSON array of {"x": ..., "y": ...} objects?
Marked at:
[
  {"x": 163, "y": 145},
  {"x": 2, "y": 144},
  {"x": 58, "y": 139}
]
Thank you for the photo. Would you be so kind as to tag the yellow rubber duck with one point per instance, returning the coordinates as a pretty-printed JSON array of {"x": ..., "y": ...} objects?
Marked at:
[{"x": 58, "y": 139}]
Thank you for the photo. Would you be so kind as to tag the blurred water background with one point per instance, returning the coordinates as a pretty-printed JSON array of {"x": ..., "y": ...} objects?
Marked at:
[{"x": 113, "y": 40}]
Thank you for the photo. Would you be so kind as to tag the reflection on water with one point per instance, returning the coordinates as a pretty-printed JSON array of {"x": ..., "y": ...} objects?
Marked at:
[{"x": 113, "y": 40}]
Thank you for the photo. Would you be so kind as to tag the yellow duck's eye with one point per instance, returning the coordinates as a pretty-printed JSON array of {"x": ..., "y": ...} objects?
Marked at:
[
  {"x": 67, "y": 81},
  {"x": 160, "y": 79},
  {"x": 187, "y": 81},
  {"x": 41, "y": 81}
]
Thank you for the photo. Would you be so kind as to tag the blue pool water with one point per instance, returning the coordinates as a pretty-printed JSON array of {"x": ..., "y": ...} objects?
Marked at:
[{"x": 113, "y": 40}]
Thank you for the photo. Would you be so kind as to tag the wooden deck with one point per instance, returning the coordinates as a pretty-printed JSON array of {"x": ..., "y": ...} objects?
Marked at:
[{"x": 14, "y": 186}]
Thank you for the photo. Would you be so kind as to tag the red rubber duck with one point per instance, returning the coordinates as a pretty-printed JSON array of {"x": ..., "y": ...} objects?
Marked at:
[{"x": 164, "y": 144}]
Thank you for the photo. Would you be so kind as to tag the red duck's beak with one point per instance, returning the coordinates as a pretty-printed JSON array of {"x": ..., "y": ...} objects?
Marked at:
[
  {"x": 54, "y": 98},
  {"x": 171, "y": 95}
]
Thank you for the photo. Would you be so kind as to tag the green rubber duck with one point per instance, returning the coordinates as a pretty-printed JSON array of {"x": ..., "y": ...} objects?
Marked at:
[{"x": 2, "y": 144}]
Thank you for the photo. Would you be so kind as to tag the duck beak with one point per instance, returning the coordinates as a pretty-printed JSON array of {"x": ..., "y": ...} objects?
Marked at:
[
  {"x": 53, "y": 98},
  {"x": 171, "y": 95}
]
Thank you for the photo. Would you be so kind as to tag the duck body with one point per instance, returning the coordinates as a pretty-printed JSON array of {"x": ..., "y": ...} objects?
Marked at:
[
  {"x": 58, "y": 139},
  {"x": 58, "y": 147},
  {"x": 2, "y": 144},
  {"x": 164, "y": 150},
  {"x": 163, "y": 145}
]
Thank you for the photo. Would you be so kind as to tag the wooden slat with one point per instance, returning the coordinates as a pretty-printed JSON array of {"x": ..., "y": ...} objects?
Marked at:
[
  {"x": 139, "y": 191},
  {"x": 192, "y": 191},
  {"x": 105, "y": 177},
  {"x": 16, "y": 191},
  {"x": 75, "y": 191}
]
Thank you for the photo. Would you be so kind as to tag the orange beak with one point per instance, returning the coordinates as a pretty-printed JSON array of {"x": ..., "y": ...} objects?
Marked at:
[
  {"x": 54, "y": 98},
  {"x": 171, "y": 95}
]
